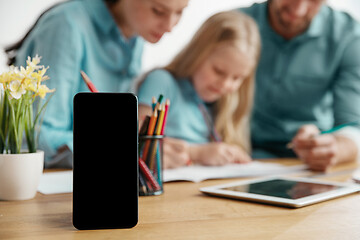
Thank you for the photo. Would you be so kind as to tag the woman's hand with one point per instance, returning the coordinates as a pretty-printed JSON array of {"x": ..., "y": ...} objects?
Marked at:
[{"x": 217, "y": 154}]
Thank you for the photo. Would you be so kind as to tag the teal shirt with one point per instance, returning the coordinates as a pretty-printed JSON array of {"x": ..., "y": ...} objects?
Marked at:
[
  {"x": 74, "y": 36},
  {"x": 185, "y": 120},
  {"x": 313, "y": 78}
]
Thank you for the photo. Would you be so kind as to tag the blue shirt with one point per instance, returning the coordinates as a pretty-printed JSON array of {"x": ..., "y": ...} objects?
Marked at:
[
  {"x": 185, "y": 120},
  {"x": 74, "y": 36},
  {"x": 313, "y": 78}
]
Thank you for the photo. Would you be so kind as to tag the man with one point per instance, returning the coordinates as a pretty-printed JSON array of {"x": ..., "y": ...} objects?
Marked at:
[{"x": 308, "y": 81}]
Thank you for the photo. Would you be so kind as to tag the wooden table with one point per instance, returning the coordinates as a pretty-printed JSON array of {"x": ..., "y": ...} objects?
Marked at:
[{"x": 182, "y": 212}]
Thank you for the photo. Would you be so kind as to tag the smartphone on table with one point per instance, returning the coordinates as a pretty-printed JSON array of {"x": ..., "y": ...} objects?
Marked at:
[{"x": 105, "y": 181}]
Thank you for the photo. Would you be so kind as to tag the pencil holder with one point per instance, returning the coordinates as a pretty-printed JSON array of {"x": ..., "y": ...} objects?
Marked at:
[{"x": 151, "y": 165}]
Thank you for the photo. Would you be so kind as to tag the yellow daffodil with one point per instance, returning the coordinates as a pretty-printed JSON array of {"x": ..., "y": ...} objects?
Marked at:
[
  {"x": 33, "y": 63},
  {"x": 27, "y": 78},
  {"x": 19, "y": 87},
  {"x": 5, "y": 77},
  {"x": 16, "y": 89},
  {"x": 43, "y": 90}
]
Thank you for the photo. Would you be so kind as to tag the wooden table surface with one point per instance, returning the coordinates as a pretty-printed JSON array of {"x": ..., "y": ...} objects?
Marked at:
[{"x": 182, "y": 212}]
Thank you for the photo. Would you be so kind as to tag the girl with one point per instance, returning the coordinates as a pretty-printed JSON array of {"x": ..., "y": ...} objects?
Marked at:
[
  {"x": 103, "y": 38},
  {"x": 210, "y": 81}
]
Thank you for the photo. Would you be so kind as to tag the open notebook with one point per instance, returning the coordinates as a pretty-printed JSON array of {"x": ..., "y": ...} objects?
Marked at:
[{"x": 197, "y": 173}]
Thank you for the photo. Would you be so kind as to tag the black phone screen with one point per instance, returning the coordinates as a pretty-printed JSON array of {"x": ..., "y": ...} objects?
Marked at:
[{"x": 105, "y": 182}]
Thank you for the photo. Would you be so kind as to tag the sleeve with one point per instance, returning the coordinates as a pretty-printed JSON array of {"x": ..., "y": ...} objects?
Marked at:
[
  {"x": 155, "y": 83},
  {"x": 347, "y": 92},
  {"x": 59, "y": 44}
]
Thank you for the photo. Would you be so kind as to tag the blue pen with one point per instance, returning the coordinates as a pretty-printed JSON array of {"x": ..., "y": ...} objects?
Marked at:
[{"x": 338, "y": 127}]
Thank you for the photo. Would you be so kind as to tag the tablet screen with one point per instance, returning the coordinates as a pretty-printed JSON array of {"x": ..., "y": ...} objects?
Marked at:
[{"x": 283, "y": 188}]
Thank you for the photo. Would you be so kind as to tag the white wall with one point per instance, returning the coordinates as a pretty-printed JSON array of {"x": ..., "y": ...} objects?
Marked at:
[{"x": 16, "y": 17}]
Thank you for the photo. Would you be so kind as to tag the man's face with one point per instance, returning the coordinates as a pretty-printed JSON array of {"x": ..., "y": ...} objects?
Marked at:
[{"x": 290, "y": 18}]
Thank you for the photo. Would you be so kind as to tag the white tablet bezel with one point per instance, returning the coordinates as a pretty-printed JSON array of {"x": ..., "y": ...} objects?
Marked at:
[{"x": 218, "y": 190}]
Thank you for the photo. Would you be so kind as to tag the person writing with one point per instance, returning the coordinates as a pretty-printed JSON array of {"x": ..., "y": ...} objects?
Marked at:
[
  {"x": 307, "y": 82},
  {"x": 104, "y": 39},
  {"x": 210, "y": 87}
]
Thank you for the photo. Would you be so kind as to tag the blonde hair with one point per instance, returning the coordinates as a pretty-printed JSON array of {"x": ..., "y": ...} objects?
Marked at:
[{"x": 232, "y": 111}]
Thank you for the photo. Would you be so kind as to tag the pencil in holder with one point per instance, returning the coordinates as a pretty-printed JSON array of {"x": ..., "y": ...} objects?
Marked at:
[{"x": 151, "y": 165}]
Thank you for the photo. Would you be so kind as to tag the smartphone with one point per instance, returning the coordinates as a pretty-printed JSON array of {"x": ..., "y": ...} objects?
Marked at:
[{"x": 105, "y": 180}]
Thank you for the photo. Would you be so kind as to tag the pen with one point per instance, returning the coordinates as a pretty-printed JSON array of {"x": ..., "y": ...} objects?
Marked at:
[
  {"x": 88, "y": 82},
  {"x": 290, "y": 145}
]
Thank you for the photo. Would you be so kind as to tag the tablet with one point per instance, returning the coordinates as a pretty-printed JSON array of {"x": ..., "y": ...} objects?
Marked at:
[
  {"x": 282, "y": 191},
  {"x": 356, "y": 176}
]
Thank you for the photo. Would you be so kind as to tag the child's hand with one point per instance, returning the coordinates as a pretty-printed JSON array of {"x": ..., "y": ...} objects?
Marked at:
[
  {"x": 217, "y": 154},
  {"x": 176, "y": 153}
]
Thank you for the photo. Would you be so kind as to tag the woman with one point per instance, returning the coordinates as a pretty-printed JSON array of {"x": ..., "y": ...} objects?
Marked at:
[{"x": 103, "y": 38}]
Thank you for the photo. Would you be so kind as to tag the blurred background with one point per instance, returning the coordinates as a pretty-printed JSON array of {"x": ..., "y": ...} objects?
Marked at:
[{"x": 17, "y": 16}]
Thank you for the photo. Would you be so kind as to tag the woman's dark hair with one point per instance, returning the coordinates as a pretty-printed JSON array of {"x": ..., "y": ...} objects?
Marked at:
[{"x": 11, "y": 51}]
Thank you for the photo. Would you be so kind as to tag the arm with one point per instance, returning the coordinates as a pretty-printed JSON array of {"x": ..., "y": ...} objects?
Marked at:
[
  {"x": 60, "y": 47},
  {"x": 347, "y": 97},
  {"x": 326, "y": 150}
]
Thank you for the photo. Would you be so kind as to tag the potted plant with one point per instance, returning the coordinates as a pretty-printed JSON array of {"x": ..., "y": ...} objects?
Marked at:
[{"x": 21, "y": 112}]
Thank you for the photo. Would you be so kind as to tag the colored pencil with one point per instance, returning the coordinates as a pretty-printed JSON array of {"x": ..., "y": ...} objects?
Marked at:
[
  {"x": 160, "y": 98},
  {"x": 152, "y": 123},
  {"x": 167, "y": 104},
  {"x": 157, "y": 131},
  {"x": 153, "y": 103},
  {"x": 142, "y": 184},
  {"x": 148, "y": 175},
  {"x": 159, "y": 143},
  {"x": 144, "y": 126},
  {"x": 150, "y": 154},
  {"x": 150, "y": 132},
  {"x": 161, "y": 120},
  {"x": 88, "y": 82}
]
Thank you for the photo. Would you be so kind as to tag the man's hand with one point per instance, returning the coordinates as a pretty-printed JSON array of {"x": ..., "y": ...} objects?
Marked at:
[{"x": 321, "y": 151}]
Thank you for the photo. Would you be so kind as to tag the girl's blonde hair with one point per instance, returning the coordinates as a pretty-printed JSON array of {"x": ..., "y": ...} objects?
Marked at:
[{"x": 232, "y": 111}]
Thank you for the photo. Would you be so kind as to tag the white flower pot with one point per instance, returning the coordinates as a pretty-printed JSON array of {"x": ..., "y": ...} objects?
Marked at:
[{"x": 20, "y": 175}]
